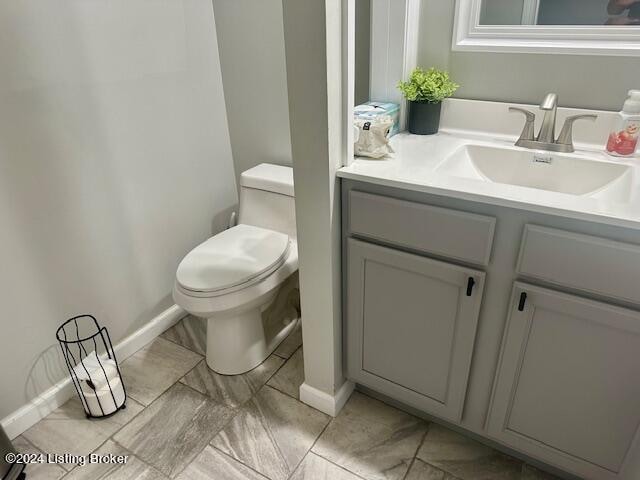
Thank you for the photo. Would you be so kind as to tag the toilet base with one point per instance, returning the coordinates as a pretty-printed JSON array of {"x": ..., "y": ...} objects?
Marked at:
[
  {"x": 238, "y": 343},
  {"x": 245, "y": 326}
]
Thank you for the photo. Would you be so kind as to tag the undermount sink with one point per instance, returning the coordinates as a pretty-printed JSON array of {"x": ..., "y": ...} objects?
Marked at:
[{"x": 541, "y": 170}]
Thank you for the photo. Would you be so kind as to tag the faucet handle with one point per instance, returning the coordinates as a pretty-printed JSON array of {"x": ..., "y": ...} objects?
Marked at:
[
  {"x": 528, "y": 131},
  {"x": 566, "y": 134}
]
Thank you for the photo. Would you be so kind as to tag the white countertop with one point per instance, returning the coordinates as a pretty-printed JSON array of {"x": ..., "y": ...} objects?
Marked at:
[{"x": 413, "y": 165}]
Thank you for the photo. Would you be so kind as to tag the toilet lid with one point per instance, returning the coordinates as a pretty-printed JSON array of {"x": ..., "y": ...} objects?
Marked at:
[{"x": 231, "y": 258}]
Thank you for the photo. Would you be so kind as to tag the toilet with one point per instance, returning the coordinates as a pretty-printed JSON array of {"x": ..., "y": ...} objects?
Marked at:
[{"x": 233, "y": 278}]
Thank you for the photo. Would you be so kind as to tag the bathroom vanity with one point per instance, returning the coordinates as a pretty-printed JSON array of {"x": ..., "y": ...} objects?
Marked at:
[{"x": 498, "y": 289}]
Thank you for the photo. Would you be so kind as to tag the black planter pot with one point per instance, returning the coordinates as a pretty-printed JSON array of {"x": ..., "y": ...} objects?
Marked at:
[{"x": 424, "y": 117}]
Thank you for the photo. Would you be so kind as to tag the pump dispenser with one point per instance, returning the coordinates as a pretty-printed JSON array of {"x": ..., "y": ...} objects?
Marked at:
[{"x": 623, "y": 140}]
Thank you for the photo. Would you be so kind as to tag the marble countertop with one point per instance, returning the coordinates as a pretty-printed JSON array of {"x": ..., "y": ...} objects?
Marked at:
[{"x": 414, "y": 164}]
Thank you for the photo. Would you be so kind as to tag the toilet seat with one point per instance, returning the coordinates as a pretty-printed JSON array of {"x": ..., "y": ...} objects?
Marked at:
[{"x": 232, "y": 260}]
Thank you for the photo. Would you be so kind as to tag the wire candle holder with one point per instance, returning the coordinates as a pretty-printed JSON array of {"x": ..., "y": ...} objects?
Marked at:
[{"x": 91, "y": 360}]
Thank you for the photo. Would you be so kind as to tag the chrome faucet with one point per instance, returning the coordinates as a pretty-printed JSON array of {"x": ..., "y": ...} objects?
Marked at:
[
  {"x": 546, "y": 136},
  {"x": 548, "y": 129}
]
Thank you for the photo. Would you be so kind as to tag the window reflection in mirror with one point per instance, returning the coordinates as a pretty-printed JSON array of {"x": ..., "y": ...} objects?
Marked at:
[{"x": 560, "y": 12}]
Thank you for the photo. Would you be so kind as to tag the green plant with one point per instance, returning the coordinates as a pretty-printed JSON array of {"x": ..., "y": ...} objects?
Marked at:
[{"x": 431, "y": 86}]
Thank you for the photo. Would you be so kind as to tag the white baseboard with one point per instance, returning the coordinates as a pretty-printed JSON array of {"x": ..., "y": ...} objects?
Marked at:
[
  {"x": 28, "y": 415},
  {"x": 329, "y": 404},
  {"x": 138, "y": 339}
]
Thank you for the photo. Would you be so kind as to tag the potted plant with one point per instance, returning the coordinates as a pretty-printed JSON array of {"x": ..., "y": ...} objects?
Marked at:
[{"x": 425, "y": 91}]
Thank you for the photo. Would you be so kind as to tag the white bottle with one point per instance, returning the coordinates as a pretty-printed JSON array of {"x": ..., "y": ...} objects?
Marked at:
[{"x": 623, "y": 140}]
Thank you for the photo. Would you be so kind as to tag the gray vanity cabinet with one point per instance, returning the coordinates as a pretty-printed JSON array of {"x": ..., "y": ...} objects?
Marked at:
[
  {"x": 551, "y": 369},
  {"x": 411, "y": 326},
  {"x": 567, "y": 389}
]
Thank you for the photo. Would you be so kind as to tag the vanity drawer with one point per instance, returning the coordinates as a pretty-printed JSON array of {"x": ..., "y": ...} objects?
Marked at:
[
  {"x": 441, "y": 231},
  {"x": 593, "y": 264}
]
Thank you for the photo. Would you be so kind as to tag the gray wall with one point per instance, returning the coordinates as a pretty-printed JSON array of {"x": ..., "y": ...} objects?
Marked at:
[
  {"x": 580, "y": 81},
  {"x": 115, "y": 161},
  {"x": 501, "y": 12},
  {"x": 251, "y": 44},
  {"x": 362, "y": 51},
  {"x": 573, "y": 12}
]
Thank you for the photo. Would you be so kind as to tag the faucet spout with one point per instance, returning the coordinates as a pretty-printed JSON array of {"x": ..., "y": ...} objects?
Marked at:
[
  {"x": 549, "y": 102},
  {"x": 548, "y": 128}
]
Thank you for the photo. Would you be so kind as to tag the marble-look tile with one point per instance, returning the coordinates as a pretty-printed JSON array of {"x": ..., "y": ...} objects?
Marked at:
[
  {"x": 133, "y": 469},
  {"x": 67, "y": 430},
  {"x": 289, "y": 378},
  {"x": 372, "y": 439},
  {"x": 190, "y": 332},
  {"x": 314, "y": 467},
  {"x": 156, "y": 367},
  {"x": 423, "y": 471},
  {"x": 465, "y": 458},
  {"x": 290, "y": 344},
  {"x": 37, "y": 471},
  {"x": 532, "y": 473},
  {"x": 272, "y": 433},
  {"x": 233, "y": 390},
  {"x": 170, "y": 432},
  {"x": 213, "y": 464}
]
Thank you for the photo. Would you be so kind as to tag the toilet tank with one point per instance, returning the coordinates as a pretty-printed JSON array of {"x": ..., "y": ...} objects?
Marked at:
[{"x": 267, "y": 198}]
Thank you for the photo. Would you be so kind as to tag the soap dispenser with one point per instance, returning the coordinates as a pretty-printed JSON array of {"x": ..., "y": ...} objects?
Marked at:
[{"x": 623, "y": 140}]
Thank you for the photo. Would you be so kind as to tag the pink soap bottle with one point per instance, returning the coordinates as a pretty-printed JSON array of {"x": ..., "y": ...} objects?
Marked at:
[{"x": 623, "y": 140}]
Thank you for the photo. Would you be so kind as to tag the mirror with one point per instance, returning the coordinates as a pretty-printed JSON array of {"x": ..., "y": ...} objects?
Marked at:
[
  {"x": 585, "y": 27},
  {"x": 560, "y": 12}
]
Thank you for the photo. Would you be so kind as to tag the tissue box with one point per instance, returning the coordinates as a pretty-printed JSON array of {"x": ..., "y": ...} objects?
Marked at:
[{"x": 371, "y": 110}]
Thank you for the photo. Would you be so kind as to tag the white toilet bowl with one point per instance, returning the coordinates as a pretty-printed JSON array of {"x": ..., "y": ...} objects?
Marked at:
[{"x": 233, "y": 277}]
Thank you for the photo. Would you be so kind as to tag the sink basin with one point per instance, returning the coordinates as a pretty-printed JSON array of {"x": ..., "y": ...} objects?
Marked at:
[{"x": 541, "y": 170}]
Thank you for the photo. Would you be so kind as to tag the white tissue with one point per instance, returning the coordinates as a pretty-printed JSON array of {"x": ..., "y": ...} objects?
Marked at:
[
  {"x": 98, "y": 379},
  {"x": 372, "y": 139}
]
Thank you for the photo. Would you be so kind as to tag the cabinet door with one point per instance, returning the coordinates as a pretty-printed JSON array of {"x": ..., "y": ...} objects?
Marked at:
[
  {"x": 567, "y": 390},
  {"x": 411, "y": 326}
]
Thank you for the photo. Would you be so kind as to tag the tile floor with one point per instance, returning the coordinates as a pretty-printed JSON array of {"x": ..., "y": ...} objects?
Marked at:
[{"x": 185, "y": 422}]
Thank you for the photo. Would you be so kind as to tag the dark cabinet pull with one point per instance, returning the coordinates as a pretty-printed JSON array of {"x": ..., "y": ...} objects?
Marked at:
[
  {"x": 523, "y": 299},
  {"x": 470, "y": 283}
]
